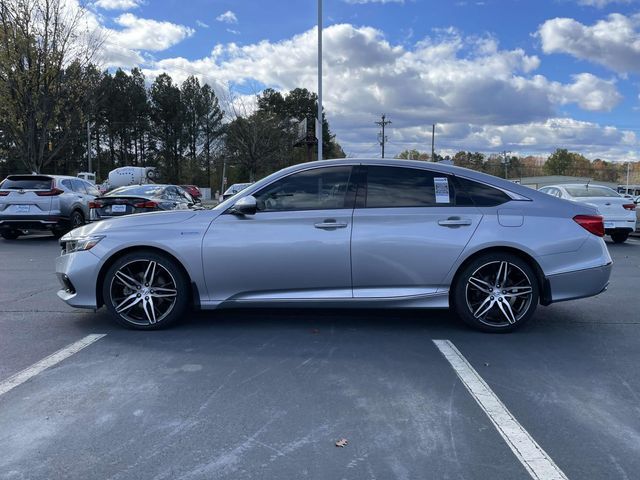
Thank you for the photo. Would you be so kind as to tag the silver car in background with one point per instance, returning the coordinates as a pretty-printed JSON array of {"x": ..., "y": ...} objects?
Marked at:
[
  {"x": 617, "y": 211},
  {"x": 53, "y": 203},
  {"x": 346, "y": 233}
]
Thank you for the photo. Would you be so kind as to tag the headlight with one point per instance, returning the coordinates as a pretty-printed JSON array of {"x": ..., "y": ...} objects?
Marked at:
[{"x": 72, "y": 243}]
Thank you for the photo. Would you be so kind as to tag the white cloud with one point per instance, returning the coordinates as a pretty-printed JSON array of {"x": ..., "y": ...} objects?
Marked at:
[
  {"x": 201, "y": 24},
  {"x": 601, "y": 3},
  {"x": 477, "y": 93},
  {"x": 227, "y": 17},
  {"x": 118, "y": 4},
  {"x": 146, "y": 34},
  {"x": 613, "y": 42}
]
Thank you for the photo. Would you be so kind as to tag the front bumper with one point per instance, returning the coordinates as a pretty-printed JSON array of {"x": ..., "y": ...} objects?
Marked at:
[
  {"x": 78, "y": 273},
  {"x": 578, "y": 284}
]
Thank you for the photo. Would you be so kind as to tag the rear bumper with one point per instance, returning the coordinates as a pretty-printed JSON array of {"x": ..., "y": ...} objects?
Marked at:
[
  {"x": 577, "y": 284},
  {"x": 30, "y": 222}
]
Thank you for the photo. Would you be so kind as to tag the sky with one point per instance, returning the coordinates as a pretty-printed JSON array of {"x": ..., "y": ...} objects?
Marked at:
[{"x": 526, "y": 76}]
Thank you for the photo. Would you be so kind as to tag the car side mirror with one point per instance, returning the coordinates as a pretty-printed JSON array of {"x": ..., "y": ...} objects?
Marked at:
[{"x": 245, "y": 206}]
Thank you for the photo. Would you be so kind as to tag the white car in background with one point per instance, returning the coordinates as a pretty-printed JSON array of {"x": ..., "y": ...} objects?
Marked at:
[{"x": 618, "y": 212}]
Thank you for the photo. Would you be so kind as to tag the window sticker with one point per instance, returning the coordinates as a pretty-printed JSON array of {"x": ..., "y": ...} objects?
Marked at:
[{"x": 441, "y": 185}]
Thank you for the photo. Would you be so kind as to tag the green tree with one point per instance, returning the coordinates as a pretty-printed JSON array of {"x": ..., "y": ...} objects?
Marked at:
[
  {"x": 413, "y": 155},
  {"x": 167, "y": 117},
  {"x": 212, "y": 128},
  {"x": 558, "y": 163}
]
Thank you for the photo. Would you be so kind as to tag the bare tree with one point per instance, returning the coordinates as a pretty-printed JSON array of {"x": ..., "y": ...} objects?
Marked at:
[{"x": 39, "y": 41}]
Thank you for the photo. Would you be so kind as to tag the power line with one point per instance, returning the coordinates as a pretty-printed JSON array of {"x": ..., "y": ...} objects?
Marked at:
[{"x": 382, "y": 137}]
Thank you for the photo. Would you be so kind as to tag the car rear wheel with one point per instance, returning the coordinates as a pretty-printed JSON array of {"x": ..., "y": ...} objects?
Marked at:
[
  {"x": 145, "y": 291},
  {"x": 619, "y": 237},
  {"x": 10, "y": 234},
  {"x": 497, "y": 292}
]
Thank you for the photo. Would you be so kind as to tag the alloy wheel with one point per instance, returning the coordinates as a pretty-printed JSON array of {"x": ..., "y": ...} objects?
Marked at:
[
  {"x": 143, "y": 292},
  {"x": 499, "y": 293}
]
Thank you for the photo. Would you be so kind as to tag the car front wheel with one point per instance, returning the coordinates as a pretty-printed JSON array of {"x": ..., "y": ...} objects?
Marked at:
[
  {"x": 145, "y": 291},
  {"x": 497, "y": 292}
]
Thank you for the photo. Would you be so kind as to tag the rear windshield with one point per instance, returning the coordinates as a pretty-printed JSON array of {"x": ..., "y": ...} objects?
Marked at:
[
  {"x": 26, "y": 182},
  {"x": 146, "y": 190},
  {"x": 591, "y": 191}
]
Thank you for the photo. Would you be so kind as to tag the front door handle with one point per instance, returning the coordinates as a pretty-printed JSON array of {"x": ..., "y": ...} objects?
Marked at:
[
  {"x": 455, "y": 222},
  {"x": 330, "y": 224}
]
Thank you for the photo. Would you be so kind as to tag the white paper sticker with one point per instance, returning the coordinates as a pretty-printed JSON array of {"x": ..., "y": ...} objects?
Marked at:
[{"x": 441, "y": 185}]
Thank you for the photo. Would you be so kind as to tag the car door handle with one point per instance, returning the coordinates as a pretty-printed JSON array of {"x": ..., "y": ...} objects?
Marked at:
[
  {"x": 329, "y": 224},
  {"x": 455, "y": 222}
]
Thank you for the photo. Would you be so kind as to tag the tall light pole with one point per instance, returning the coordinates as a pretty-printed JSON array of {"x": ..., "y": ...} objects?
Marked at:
[{"x": 319, "y": 119}]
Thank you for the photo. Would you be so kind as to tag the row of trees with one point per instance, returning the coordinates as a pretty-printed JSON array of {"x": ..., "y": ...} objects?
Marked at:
[
  {"x": 57, "y": 108},
  {"x": 560, "y": 162}
]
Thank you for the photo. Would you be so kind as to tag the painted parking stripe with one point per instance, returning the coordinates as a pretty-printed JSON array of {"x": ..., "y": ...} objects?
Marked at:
[
  {"x": 53, "y": 359},
  {"x": 535, "y": 460}
]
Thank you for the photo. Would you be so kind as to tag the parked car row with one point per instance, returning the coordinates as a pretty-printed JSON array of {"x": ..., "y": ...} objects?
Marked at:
[{"x": 59, "y": 203}]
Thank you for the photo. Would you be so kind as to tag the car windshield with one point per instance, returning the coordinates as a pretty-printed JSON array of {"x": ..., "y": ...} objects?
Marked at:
[
  {"x": 26, "y": 182},
  {"x": 237, "y": 187},
  {"x": 591, "y": 191},
  {"x": 145, "y": 190}
]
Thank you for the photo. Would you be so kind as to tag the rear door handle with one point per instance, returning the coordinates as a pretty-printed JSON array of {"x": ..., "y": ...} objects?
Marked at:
[
  {"x": 455, "y": 222},
  {"x": 330, "y": 224}
]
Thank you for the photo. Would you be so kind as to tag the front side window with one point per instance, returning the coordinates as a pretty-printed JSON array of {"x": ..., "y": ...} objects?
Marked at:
[
  {"x": 316, "y": 189},
  {"x": 392, "y": 187}
]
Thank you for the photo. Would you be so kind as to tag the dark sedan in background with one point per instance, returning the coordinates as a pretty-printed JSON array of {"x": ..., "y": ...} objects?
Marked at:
[{"x": 140, "y": 199}]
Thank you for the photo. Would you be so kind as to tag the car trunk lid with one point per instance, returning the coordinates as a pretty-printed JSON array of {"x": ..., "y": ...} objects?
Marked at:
[{"x": 121, "y": 205}]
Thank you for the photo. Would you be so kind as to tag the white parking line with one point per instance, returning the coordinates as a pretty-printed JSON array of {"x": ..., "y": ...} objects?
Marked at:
[
  {"x": 536, "y": 461},
  {"x": 53, "y": 359}
]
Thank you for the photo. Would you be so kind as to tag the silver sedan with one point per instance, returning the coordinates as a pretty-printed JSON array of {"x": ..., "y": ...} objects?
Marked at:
[{"x": 345, "y": 233}]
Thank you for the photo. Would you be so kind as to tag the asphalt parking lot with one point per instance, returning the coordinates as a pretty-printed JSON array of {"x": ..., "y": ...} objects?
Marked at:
[{"x": 267, "y": 393}]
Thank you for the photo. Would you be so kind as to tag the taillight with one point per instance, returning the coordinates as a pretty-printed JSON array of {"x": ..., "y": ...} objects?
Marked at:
[
  {"x": 629, "y": 206},
  {"x": 50, "y": 193},
  {"x": 4, "y": 194},
  {"x": 591, "y": 223},
  {"x": 148, "y": 204},
  {"x": 95, "y": 204}
]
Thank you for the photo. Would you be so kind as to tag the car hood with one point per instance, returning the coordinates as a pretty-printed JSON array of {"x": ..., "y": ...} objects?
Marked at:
[{"x": 135, "y": 221}]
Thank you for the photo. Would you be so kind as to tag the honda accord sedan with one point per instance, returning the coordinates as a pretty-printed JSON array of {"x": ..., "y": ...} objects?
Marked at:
[{"x": 345, "y": 233}]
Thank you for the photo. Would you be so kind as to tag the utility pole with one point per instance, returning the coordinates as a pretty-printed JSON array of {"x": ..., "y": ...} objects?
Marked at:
[
  {"x": 627, "y": 190},
  {"x": 505, "y": 163},
  {"x": 382, "y": 136},
  {"x": 433, "y": 142},
  {"x": 319, "y": 119},
  {"x": 88, "y": 147}
]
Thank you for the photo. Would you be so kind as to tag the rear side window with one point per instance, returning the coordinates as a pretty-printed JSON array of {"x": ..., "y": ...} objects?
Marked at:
[
  {"x": 78, "y": 186},
  {"x": 26, "y": 182},
  {"x": 67, "y": 184},
  {"x": 394, "y": 187},
  {"x": 91, "y": 189},
  {"x": 479, "y": 194}
]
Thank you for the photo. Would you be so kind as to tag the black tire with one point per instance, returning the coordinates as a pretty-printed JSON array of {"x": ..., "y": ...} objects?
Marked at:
[
  {"x": 76, "y": 219},
  {"x": 10, "y": 234},
  {"x": 167, "y": 275},
  {"x": 58, "y": 232},
  {"x": 619, "y": 237},
  {"x": 492, "y": 304}
]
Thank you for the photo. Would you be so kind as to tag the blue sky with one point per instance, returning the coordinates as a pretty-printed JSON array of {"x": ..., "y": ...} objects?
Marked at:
[{"x": 526, "y": 76}]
